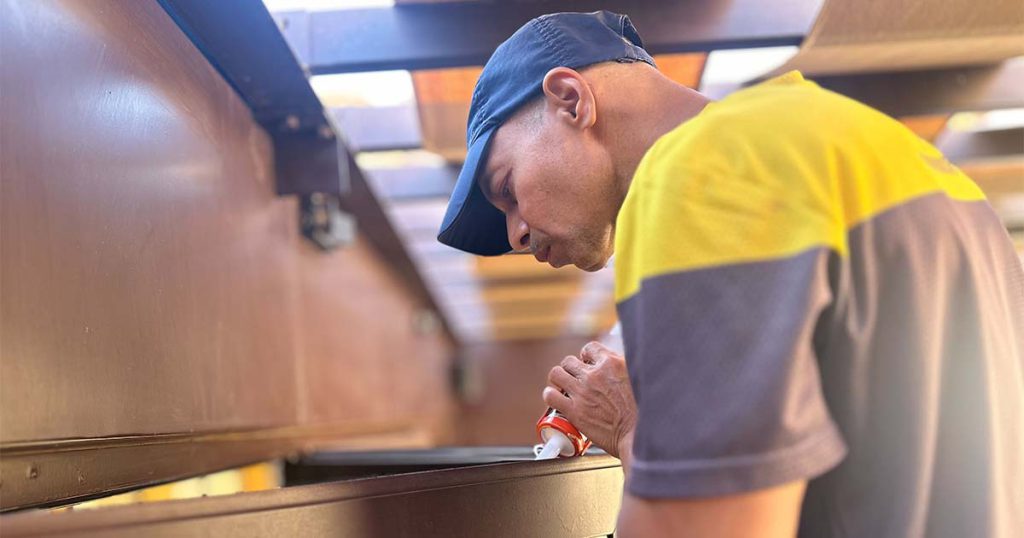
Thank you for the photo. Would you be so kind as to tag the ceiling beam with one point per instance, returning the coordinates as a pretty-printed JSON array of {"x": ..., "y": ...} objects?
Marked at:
[
  {"x": 537, "y": 292},
  {"x": 241, "y": 41},
  {"x": 922, "y": 93},
  {"x": 379, "y": 128},
  {"x": 999, "y": 179},
  {"x": 935, "y": 91},
  {"x": 428, "y": 36},
  {"x": 927, "y": 127},
  {"x": 414, "y": 183},
  {"x": 983, "y": 145}
]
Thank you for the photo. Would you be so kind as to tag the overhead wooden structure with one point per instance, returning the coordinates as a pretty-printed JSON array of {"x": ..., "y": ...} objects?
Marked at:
[{"x": 884, "y": 54}]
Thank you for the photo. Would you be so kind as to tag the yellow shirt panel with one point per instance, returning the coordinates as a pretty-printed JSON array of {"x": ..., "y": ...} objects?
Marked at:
[{"x": 766, "y": 173}]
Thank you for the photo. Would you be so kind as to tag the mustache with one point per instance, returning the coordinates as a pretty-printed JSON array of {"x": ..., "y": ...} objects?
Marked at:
[{"x": 535, "y": 246}]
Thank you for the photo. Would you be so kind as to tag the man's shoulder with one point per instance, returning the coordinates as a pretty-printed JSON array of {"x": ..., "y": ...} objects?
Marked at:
[{"x": 777, "y": 127}]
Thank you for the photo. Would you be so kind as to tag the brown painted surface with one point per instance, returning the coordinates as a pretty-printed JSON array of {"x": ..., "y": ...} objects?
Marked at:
[
  {"x": 510, "y": 377},
  {"x": 144, "y": 254},
  {"x": 151, "y": 280},
  {"x": 551, "y": 499},
  {"x": 362, "y": 355}
]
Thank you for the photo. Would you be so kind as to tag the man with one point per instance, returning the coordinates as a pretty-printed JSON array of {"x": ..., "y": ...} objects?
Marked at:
[{"x": 822, "y": 317}]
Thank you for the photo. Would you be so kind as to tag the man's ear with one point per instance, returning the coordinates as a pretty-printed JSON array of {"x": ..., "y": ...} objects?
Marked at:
[{"x": 569, "y": 94}]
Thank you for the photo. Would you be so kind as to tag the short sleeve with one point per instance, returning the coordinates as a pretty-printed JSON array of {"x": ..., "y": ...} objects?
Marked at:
[{"x": 721, "y": 281}]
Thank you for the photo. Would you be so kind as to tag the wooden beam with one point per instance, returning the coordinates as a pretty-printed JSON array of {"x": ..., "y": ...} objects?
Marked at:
[
  {"x": 685, "y": 69},
  {"x": 922, "y": 93},
  {"x": 937, "y": 91},
  {"x": 1000, "y": 144},
  {"x": 927, "y": 127},
  {"x": 414, "y": 183},
  {"x": 999, "y": 179},
  {"x": 518, "y": 293},
  {"x": 428, "y": 36},
  {"x": 379, "y": 128}
]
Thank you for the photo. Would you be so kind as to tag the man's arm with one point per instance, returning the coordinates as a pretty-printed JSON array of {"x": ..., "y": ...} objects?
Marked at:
[
  {"x": 766, "y": 513},
  {"x": 601, "y": 403}
]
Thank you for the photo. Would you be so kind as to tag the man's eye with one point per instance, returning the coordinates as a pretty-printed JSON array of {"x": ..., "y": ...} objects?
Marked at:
[{"x": 506, "y": 193}]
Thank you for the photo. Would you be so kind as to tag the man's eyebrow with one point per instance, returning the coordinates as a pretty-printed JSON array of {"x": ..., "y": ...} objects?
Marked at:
[{"x": 488, "y": 180}]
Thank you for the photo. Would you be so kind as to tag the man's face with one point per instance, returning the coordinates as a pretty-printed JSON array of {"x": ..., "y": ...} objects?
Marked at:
[{"x": 556, "y": 186}]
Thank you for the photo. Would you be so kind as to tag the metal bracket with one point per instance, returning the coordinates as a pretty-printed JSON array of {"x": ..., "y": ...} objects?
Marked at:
[{"x": 324, "y": 223}]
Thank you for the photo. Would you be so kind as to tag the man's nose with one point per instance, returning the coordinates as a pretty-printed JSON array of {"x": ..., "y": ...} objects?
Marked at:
[{"x": 518, "y": 231}]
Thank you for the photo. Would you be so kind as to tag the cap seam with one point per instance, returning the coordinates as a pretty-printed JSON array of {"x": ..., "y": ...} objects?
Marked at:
[
  {"x": 551, "y": 38},
  {"x": 622, "y": 33}
]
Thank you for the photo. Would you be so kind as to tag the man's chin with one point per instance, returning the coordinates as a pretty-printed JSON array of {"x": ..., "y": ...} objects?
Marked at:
[{"x": 592, "y": 266}]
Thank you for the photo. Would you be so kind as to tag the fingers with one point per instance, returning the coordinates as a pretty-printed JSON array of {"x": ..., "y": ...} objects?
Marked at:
[
  {"x": 563, "y": 380},
  {"x": 595, "y": 352},
  {"x": 556, "y": 400},
  {"x": 574, "y": 366}
]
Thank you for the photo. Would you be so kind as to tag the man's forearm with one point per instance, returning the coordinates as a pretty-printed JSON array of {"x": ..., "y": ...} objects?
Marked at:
[
  {"x": 771, "y": 512},
  {"x": 626, "y": 452}
]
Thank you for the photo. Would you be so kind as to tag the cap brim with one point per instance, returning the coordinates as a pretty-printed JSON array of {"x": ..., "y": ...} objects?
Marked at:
[{"x": 471, "y": 223}]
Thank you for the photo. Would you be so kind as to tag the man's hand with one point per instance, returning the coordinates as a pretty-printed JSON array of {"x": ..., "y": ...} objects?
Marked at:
[{"x": 600, "y": 399}]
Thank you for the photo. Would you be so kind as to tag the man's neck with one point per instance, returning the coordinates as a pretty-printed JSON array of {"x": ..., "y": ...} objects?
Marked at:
[{"x": 665, "y": 106}]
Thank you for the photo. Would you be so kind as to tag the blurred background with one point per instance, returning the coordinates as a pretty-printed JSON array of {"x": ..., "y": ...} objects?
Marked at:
[{"x": 219, "y": 219}]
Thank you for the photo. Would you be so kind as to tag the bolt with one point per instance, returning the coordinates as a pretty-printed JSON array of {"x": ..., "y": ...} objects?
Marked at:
[
  {"x": 292, "y": 122},
  {"x": 32, "y": 472}
]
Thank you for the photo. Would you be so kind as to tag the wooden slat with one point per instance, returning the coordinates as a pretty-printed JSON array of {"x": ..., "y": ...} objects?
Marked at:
[
  {"x": 529, "y": 308},
  {"x": 686, "y": 69},
  {"x": 398, "y": 185},
  {"x": 524, "y": 334},
  {"x": 873, "y": 35},
  {"x": 545, "y": 290},
  {"x": 513, "y": 266},
  {"x": 997, "y": 179},
  {"x": 443, "y": 97},
  {"x": 535, "y": 291},
  {"x": 379, "y": 128},
  {"x": 1000, "y": 144},
  {"x": 917, "y": 93},
  {"x": 927, "y": 127}
]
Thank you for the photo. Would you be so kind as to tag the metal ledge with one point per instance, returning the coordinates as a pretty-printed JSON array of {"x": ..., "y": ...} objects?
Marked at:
[{"x": 569, "y": 498}]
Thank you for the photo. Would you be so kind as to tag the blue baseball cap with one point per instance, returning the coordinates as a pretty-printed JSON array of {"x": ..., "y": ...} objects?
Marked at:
[{"x": 513, "y": 77}]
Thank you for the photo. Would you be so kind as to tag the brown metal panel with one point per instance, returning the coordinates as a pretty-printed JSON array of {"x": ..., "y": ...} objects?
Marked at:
[
  {"x": 145, "y": 256},
  {"x": 364, "y": 358},
  {"x": 153, "y": 284},
  {"x": 572, "y": 498},
  {"x": 512, "y": 375}
]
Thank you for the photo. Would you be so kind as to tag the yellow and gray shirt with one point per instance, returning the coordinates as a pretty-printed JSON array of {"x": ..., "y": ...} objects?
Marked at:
[{"x": 810, "y": 291}]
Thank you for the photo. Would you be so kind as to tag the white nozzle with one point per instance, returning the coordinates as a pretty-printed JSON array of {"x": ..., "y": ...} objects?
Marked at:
[{"x": 556, "y": 444}]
